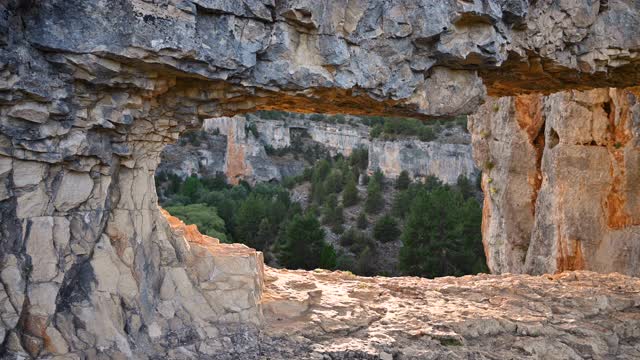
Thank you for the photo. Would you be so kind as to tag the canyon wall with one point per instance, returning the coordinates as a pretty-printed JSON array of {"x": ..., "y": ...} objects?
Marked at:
[
  {"x": 562, "y": 179},
  {"x": 444, "y": 160},
  {"x": 91, "y": 91},
  {"x": 228, "y": 146}
]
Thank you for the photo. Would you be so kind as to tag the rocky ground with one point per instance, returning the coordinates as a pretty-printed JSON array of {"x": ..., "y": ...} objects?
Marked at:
[{"x": 336, "y": 315}]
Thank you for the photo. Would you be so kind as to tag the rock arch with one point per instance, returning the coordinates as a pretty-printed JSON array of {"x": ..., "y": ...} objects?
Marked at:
[{"x": 90, "y": 92}]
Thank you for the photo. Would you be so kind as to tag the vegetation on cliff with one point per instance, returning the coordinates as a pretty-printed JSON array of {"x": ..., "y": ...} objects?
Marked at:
[{"x": 386, "y": 128}]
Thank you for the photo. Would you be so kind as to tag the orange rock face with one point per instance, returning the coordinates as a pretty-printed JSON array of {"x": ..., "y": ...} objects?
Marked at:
[
  {"x": 235, "y": 165},
  {"x": 575, "y": 156}
]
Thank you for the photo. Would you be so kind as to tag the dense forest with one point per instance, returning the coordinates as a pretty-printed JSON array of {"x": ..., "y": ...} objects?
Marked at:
[{"x": 436, "y": 226}]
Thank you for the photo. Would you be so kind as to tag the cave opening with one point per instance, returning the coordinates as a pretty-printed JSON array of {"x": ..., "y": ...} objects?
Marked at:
[{"x": 336, "y": 192}]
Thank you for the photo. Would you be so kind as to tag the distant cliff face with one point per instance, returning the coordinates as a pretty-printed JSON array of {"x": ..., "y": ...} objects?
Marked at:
[
  {"x": 562, "y": 179},
  {"x": 420, "y": 159},
  {"x": 243, "y": 154}
]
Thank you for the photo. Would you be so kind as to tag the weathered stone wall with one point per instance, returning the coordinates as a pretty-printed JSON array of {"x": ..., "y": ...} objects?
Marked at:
[
  {"x": 561, "y": 175},
  {"x": 240, "y": 155},
  {"x": 444, "y": 160},
  {"x": 91, "y": 91}
]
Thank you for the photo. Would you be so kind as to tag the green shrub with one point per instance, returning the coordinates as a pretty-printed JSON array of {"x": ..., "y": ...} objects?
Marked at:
[
  {"x": 271, "y": 114},
  {"x": 290, "y": 182},
  {"x": 190, "y": 188},
  {"x": 426, "y": 134},
  {"x": 337, "y": 228},
  {"x": 345, "y": 262},
  {"x": 316, "y": 117},
  {"x": 217, "y": 182},
  {"x": 253, "y": 129},
  {"x": 204, "y": 217},
  {"x": 489, "y": 165},
  {"x": 376, "y": 131},
  {"x": 364, "y": 265},
  {"x": 348, "y": 238}
]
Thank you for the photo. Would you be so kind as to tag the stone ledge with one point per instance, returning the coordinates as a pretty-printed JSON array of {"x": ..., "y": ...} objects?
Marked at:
[{"x": 572, "y": 315}]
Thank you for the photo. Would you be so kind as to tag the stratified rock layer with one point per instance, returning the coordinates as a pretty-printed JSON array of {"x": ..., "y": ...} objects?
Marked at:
[
  {"x": 574, "y": 315},
  {"x": 561, "y": 177},
  {"x": 91, "y": 91},
  {"x": 228, "y": 146}
]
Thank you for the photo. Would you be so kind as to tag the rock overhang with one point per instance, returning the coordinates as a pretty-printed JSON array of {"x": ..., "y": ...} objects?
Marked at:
[
  {"x": 92, "y": 91},
  {"x": 400, "y": 54}
]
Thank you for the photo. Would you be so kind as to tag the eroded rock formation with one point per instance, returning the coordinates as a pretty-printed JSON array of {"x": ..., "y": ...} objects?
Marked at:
[
  {"x": 91, "y": 91},
  {"x": 228, "y": 146},
  {"x": 573, "y": 315},
  {"x": 561, "y": 175}
]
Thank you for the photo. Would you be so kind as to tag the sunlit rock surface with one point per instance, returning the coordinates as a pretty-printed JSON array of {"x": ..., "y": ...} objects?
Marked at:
[
  {"x": 562, "y": 181},
  {"x": 336, "y": 315}
]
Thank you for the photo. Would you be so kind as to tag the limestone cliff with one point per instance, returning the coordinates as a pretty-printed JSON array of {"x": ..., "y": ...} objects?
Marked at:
[
  {"x": 91, "y": 91},
  {"x": 444, "y": 160},
  {"x": 561, "y": 175},
  {"x": 245, "y": 158}
]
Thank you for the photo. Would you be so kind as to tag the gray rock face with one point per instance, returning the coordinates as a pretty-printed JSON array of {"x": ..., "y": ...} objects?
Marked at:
[
  {"x": 91, "y": 92},
  {"x": 445, "y": 161},
  {"x": 561, "y": 181},
  {"x": 244, "y": 156}
]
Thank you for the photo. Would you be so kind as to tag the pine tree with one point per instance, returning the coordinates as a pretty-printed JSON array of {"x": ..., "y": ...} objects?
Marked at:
[
  {"x": 362, "y": 222},
  {"x": 333, "y": 182},
  {"x": 328, "y": 257},
  {"x": 303, "y": 243},
  {"x": 442, "y": 235},
  {"x": 350, "y": 193},
  {"x": 190, "y": 187},
  {"x": 248, "y": 219},
  {"x": 332, "y": 213},
  {"x": 364, "y": 265},
  {"x": 464, "y": 186},
  {"x": 265, "y": 232},
  {"x": 386, "y": 229},
  {"x": 375, "y": 201},
  {"x": 378, "y": 176},
  {"x": 403, "y": 181}
]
